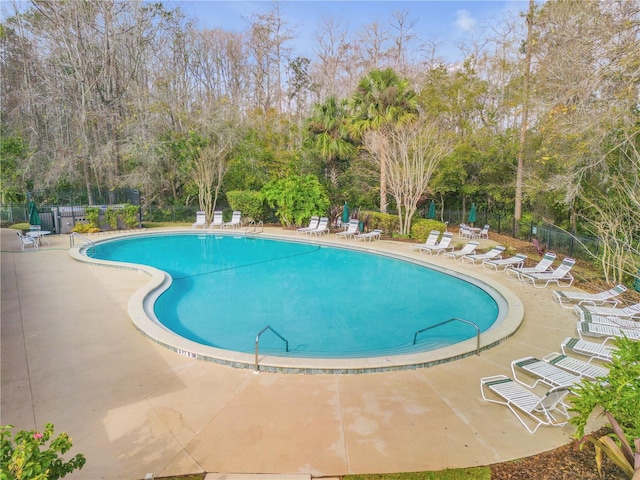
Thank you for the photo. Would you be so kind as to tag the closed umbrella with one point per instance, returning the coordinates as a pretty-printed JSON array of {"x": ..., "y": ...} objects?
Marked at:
[
  {"x": 345, "y": 213},
  {"x": 34, "y": 218},
  {"x": 432, "y": 210},
  {"x": 472, "y": 213}
]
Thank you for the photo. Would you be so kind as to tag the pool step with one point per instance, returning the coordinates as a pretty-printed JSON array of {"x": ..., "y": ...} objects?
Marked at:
[{"x": 256, "y": 476}]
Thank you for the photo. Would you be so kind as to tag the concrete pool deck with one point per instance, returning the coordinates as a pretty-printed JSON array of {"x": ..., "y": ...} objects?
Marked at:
[{"x": 70, "y": 355}]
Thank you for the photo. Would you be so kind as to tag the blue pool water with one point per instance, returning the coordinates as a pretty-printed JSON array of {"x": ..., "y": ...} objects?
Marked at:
[{"x": 327, "y": 302}]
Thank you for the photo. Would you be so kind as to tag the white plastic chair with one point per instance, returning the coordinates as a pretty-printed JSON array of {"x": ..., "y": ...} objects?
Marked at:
[{"x": 26, "y": 242}]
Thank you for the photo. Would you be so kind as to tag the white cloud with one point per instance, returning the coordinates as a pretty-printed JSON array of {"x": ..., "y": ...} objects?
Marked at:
[{"x": 464, "y": 21}]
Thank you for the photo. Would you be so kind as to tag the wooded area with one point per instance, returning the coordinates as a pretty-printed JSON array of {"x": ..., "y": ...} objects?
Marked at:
[{"x": 542, "y": 115}]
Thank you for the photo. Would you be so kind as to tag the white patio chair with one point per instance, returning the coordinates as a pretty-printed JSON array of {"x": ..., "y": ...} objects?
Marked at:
[
  {"x": 431, "y": 241},
  {"x": 351, "y": 231},
  {"x": 468, "y": 249},
  {"x": 26, "y": 242},
  {"x": 570, "y": 299},
  {"x": 524, "y": 404},
  {"x": 517, "y": 261},
  {"x": 544, "y": 372},
  {"x": 608, "y": 332},
  {"x": 493, "y": 254},
  {"x": 217, "y": 220},
  {"x": 595, "y": 351},
  {"x": 235, "y": 222},
  {"x": 313, "y": 224},
  {"x": 578, "y": 367},
  {"x": 321, "y": 229},
  {"x": 201, "y": 220},
  {"x": 442, "y": 246},
  {"x": 561, "y": 276},
  {"x": 632, "y": 311},
  {"x": 544, "y": 265}
]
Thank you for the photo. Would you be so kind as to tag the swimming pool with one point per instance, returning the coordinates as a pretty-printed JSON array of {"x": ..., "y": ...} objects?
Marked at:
[{"x": 328, "y": 303}]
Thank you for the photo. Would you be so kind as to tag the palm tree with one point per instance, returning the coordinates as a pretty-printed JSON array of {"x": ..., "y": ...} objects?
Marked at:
[
  {"x": 382, "y": 98},
  {"x": 329, "y": 136}
]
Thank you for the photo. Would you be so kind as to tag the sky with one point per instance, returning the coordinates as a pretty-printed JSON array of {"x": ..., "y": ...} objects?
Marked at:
[{"x": 447, "y": 22}]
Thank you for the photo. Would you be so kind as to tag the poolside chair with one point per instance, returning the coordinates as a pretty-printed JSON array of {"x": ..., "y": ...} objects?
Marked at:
[
  {"x": 235, "y": 222},
  {"x": 502, "y": 264},
  {"x": 369, "y": 236},
  {"x": 313, "y": 224},
  {"x": 493, "y": 254},
  {"x": 544, "y": 372},
  {"x": 608, "y": 332},
  {"x": 465, "y": 231},
  {"x": 632, "y": 311},
  {"x": 432, "y": 241},
  {"x": 351, "y": 231},
  {"x": 561, "y": 276},
  {"x": 201, "y": 220},
  {"x": 321, "y": 229},
  {"x": 615, "y": 321},
  {"x": 217, "y": 220},
  {"x": 543, "y": 265},
  {"x": 442, "y": 246},
  {"x": 468, "y": 249},
  {"x": 570, "y": 299},
  {"x": 484, "y": 233},
  {"x": 524, "y": 404},
  {"x": 26, "y": 242},
  {"x": 597, "y": 351},
  {"x": 586, "y": 370}
]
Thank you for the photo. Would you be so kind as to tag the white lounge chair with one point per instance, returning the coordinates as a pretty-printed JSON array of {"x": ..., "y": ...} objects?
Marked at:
[
  {"x": 26, "y": 242},
  {"x": 524, "y": 404},
  {"x": 484, "y": 233},
  {"x": 586, "y": 370},
  {"x": 431, "y": 241},
  {"x": 608, "y": 332},
  {"x": 468, "y": 249},
  {"x": 235, "y": 222},
  {"x": 201, "y": 220},
  {"x": 369, "y": 236},
  {"x": 544, "y": 372},
  {"x": 570, "y": 299},
  {"x": 493, "y": 254},
  {"x": 313, "y": 224},
  {"x": 615, "y": 321},
  {"x": 442, "y": 246},
  {"x": 351, "y": 231},
  {"x": 561, "y": 276},
  {"x": 517, "y": 261},
  {"x": 217, "y": 220},
  {"x": 632, "y": 311},
  {"x": 593, "y": 350},
  {"x": 544, "y": 265},
  {"x": 321, "y": 229}
]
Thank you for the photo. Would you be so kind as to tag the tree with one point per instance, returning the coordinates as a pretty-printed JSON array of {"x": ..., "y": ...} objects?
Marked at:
[
  {"x": 382, "y": 98},
  {"x": 410, "y": 154},
  {"x": 296, "y": 198}
]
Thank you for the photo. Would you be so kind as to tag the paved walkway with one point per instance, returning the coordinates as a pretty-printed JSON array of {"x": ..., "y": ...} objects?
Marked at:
[{"x": 71, "y": 356}]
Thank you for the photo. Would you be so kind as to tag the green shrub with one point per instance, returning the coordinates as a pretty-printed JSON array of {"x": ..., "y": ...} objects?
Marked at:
[
  {"x": 250, "y": 203},
  {"x": 28, "y": 456},
  {"x": 386, "y": 222},
  {"x": 421, "y": 228},
  {"x": 92, "y": 214},
  {"x": 111, "y": 217},
  {"x": 618, "y": 393},
  {"x": 83, "y": 228},
  {"x": 296, "y": 198},
  {"x": 130, "y": 214}
]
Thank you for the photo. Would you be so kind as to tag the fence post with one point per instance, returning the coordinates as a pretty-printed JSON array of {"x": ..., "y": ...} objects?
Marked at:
[{"x": 571, "y": 242}]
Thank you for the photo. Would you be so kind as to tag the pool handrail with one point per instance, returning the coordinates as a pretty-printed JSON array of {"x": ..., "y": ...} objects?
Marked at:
[
  {"x": 86, "y": 240},
  {"x": 415, "y": 336},
  {"x": 268, "y": 327},
  {"x": 255, "y": 227}
]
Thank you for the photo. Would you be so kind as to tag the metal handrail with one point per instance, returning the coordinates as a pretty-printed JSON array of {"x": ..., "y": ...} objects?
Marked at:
[
  {"x": 86, "y": 240},
  {"x": 268, "y": 327},
  {"x": 255, "y": 227},
  {"x": 415, "y": 336}
]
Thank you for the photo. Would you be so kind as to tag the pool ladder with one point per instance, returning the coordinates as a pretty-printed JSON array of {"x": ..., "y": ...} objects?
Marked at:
[
  {"x": 75, "y": 235},
  {"x": 454, "y": 319},
  {"x": 268, "y": 327},
  {"x": 255, "y": 226}
]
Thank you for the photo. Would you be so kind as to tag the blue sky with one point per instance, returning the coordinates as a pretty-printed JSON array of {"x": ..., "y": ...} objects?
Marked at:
[{"x": 445, "y": 21}]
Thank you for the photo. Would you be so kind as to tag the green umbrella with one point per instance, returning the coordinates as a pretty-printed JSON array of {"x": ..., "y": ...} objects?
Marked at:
[
  {"x": 432, "y": 210},
  {"x": 34, "y": 218},
  {"x": 345, "y": 213},
  {"x": 472, "y": 213}
]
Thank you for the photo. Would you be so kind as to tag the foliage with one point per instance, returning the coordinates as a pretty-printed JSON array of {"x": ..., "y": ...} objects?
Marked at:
[
  {"x": 421, "y": 228},
  {"x": 619, "y": 452},
  {"x": 474, "y": 473},
  {"x": 618, "y": 393},
  {"x": 92, "y": 214},
  {"x": 12, "y": 150},
  {"x": 250, "y": 203},
  {"x": 33, "y": 455},
  {"x": 382, "y": 221},
  {"x": 296, "y": 198},
  {"x": 111, "y": 217},
  {"x": 130, "y": 215},
  {"x": 81, "y": 227}
]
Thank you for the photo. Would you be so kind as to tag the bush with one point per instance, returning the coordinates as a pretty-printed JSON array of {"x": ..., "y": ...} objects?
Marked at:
[
  {"x": 386, "y": 222},
  {"x": 92, "y": 214},
  {"x": 421, "y": 228},
  {"x": 250, "y": 203},
  {"x": 111, "y": 217},
  {"x": 28, "y": 456},
  {"x": 296, "y": 199},
  {"x": 130, "y": 214},
  {"x": 617, "y": 393}
]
